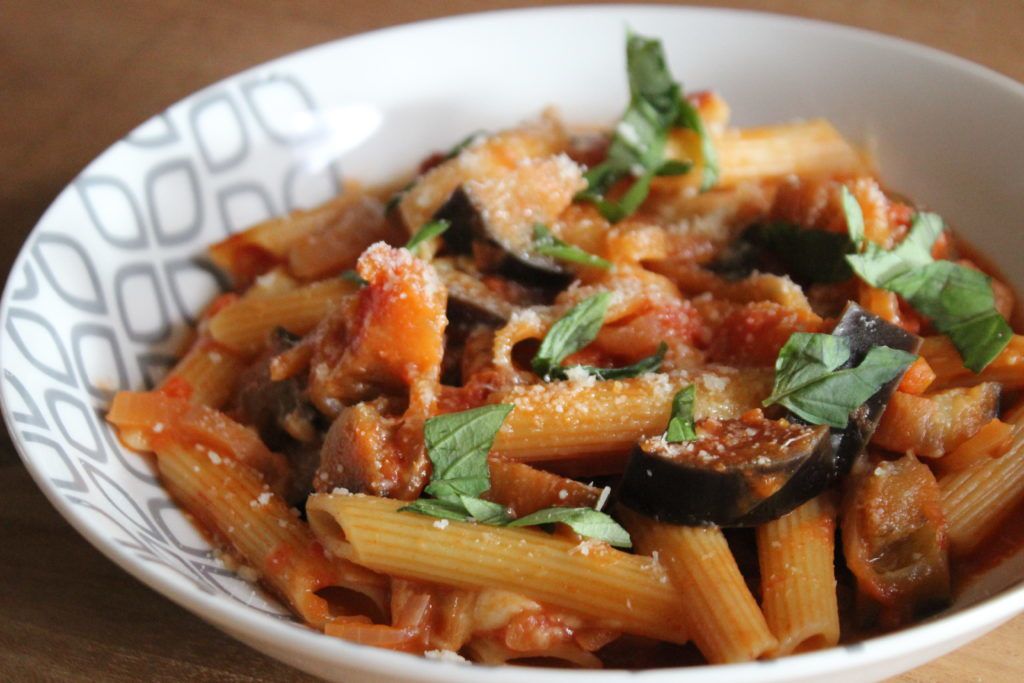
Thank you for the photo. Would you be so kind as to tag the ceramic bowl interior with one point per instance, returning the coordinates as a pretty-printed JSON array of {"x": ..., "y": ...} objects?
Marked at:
[{"x": 112, "y": 276}]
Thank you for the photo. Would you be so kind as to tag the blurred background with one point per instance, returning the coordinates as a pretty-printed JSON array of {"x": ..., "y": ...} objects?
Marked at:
[{"x": 75, "y": 76}]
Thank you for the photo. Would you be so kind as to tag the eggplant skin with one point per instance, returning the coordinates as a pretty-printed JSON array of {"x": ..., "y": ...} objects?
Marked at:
[
  {"x": 748, "y": 492},
  {"x": 470, "y": 233},
  {"x": 864, "y": 331}
]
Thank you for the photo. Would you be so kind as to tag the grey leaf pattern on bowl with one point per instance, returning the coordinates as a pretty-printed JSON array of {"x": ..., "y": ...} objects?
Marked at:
[{"x": 104, "y": 293}]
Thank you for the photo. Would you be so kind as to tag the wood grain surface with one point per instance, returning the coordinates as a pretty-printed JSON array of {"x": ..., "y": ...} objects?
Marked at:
[{"x": 75, "y": 76}]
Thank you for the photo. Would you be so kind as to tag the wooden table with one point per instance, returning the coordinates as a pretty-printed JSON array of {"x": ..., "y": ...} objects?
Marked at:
[{"x": 75, "y": 75}]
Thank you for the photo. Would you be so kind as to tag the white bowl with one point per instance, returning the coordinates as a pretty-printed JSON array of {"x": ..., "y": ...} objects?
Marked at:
[{"x": 109, "y": 278}]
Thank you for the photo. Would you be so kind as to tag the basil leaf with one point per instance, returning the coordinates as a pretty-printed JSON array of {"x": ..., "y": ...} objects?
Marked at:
[
  {"x": 680, "y": 425},
  {"x": 548, "y": 245},
  {"x": 429, "y": 230},
  {"x": 984, "y": 337},
  {"x": 352, "y": 276},
  {"x": 584, "y": 521},
  {"x": 674, "y": 167},
  {"x": 876, "y": 266},
  {"x": 486, "y": 512},
  {"x": 649, "y": 77},
  {"x": 961, "y": 305},
  {"x": 445, "y": 509},
  {"x": 854, "y": 216},
  {"x": 463, "y": 144},
  {"x": 808, "y": 383},
  {"x": 958, "y": 300},
  {"x": 637, "y": 148},
  {"x": 806, "y": 358},
  {"x": 809, "y": 255},
  {"x": 457, "y": 444},
  {"x": 570, "y": 333},
  {"x": 649, "y": 364}
]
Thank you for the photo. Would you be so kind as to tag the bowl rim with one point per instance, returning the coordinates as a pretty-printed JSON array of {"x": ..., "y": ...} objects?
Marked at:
[{"x": 244, "y": 622}]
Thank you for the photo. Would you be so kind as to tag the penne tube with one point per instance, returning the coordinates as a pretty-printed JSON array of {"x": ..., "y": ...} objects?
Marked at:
[
  {"x": 570, "y": 420},
  {"x": 274, "y": 237},
  {"x": 796, "y": 553},
  {"x": 991, "y": 441},
  {"x": 146, "y": 416},
  {"x": 244, "y": 325},
  {"x": 977, "y": 499},
  {"x": 524, "y": 489},
  {"x": 231, "y": 500},
  {"x": 945, "y": 360},
  {"x": 615, "y": 589},
  {"x": 723, "y": 617},
  {"x": 808, "y": 148},
  {"x": 207, "y": 373}
]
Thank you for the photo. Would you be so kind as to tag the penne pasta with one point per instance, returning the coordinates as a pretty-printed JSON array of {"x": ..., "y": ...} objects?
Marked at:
[
  {"x": 977, "y": 499},
  {"x": 206, "y": 374},
  {"x": 810, "y": 148},
  {"x": 662, "y": 314},
  {"x": 244, "y": 325},
  {"x": 232, "y": 501},
  {"x": 724, "y": 620},
  {"x": 615, "y": 589},
  {"x": 945, "y": 361},
  {"x": 571, "y": 420},
  {"x": 796, "y": 553}
]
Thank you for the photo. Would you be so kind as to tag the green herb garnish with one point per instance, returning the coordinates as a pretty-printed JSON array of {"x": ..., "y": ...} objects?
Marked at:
[
  {"x": 354, "y": 277},
  {"x": 811, "y": 382},
  {"x": 575, "y": 330},
  {"x": 809, "y": 255},
  {"x": 429, "y": 230},
  {"x": 638, "y": 145},
  {"x": 584, "y": 521},
  {"x": 958, "y": 300},
  {"x": 570, "y": 333},
  {"x": 649, "y": 364},
  {"x": 457, "y": 445},
  {"x": 680, "y": 425},
  {"x": 547, "y": 244}
]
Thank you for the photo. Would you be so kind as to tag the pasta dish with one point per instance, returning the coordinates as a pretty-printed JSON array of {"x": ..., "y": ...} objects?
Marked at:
[{"x": 667, "y": 393}]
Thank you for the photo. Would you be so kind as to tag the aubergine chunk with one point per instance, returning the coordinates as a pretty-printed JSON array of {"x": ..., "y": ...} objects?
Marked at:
[
  {"x": 894, "y": 539},
  {"x": 864, "y": 331},
  {"x": 367, "y": 450},
  {"x": 934, "y": 424},
  {"x": 739, "y": 472},
  {"x": 469, "y": 297},
  {"x": 282, "y": 415},
  {"x": 494, "y": 216}
]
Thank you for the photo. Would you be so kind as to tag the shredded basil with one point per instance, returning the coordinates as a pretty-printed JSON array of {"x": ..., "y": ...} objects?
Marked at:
[
  {"x": 638, "y": 146},
  {"x": 808, "y": 255},
  {"x": 958, "y": 300},
  {"x": 584, "y": 521},
  {"x": 649, "y": 364},
  {"x": 547, "y": 244},
  {"x": 810, "y": 380},
  {"x": 681, "y": 426},
  {"x": 570, "y": 333},
  {"x": 429, "y": 230},
  {"x": 575, "y": 330},
  {"x": 457, "y": 445},
  {"x": 354, "y": 277}
]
